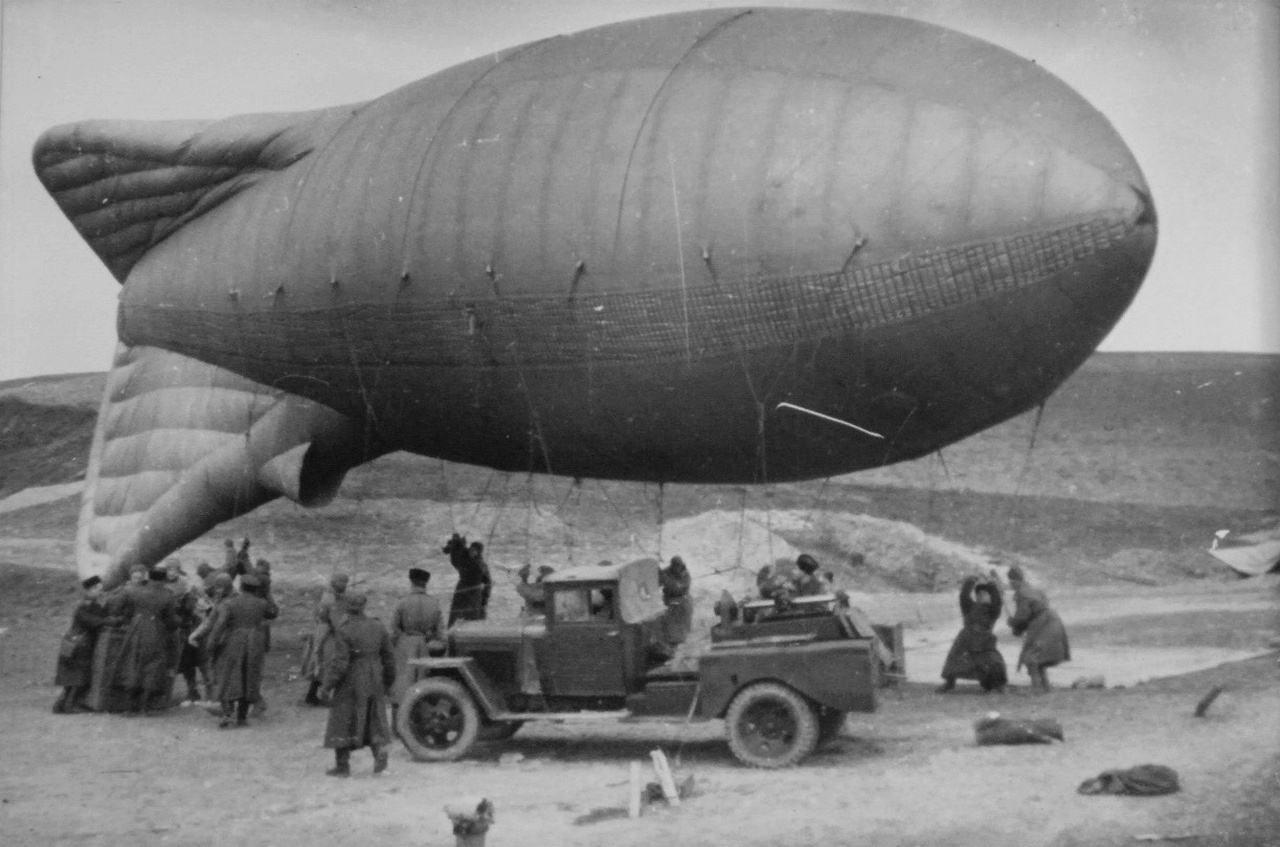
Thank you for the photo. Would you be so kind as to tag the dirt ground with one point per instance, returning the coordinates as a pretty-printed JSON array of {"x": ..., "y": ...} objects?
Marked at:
[
  {"x": 1138, "y": 461},
  {"x": 909, "y": 774}
]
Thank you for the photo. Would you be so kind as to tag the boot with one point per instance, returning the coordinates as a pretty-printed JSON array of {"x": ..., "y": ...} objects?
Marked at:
[
  {"x": 242, "y": 712},
  {"x": 1039, "y": 682},
  {"x": 228, "y": 715},
  {"x": 341, "y": 762},
  {"x": 380, "y": 759},
  {"x": 313, "y": 694},
  {"x": 949, "y": 683},
  {"x": 60, "y": 705}
]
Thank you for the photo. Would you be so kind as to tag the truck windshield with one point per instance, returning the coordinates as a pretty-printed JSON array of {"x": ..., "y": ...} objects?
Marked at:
[{"x": 583, "y": 604}]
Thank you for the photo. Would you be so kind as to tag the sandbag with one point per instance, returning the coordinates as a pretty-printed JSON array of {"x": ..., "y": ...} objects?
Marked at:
[
  {"x": 994, "y": 729},
  {"x": 1138, "y": 781}
]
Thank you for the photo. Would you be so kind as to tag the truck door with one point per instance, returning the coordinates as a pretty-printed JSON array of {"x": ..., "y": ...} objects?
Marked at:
[{"x": 582, "y": 653}]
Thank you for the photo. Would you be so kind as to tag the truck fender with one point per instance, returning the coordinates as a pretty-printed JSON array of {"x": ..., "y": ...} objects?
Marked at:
[{"x": 472, "y": 677}]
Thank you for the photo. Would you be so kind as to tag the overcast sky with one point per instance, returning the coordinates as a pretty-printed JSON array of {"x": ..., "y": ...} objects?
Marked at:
[{"x": 1193, "y": 86}]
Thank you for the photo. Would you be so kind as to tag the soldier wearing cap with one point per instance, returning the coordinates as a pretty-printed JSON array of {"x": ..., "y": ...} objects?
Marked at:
[
  {"x": 75, "y": 654},
  {"x": 359, "y": 667},
  {"x": 417, "y": 629},
  {"x": 1044, "y": 637},
  {"x": 145, "y": 655},
  {"x": 330, "y": 613},
  {"x": 238, "y": 646},
  {"x": 809, "y": 583}
]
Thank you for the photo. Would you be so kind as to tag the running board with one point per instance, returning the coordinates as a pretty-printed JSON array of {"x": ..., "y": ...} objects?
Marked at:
[{"x": 561, "y": 717}]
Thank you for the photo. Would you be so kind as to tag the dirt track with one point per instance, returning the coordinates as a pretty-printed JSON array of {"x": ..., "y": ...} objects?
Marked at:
[{"x": 909, "y": 774}]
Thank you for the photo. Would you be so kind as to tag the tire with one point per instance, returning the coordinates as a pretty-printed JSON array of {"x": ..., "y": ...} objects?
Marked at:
[
  {"x": 830, "y": 722},
  {"x": 438, "y": 720},
  {"x": 499, "y": 730},
  {"x": 771, "y": 726}
]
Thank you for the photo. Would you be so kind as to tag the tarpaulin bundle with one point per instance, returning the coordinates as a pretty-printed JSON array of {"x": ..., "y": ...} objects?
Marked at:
[
  {"x": 1139, "y": 781},
  {"x": 994, "y": 729}
]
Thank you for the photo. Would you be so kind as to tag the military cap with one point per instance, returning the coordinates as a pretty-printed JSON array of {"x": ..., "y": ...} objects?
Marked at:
[
  {"x": 90, "y": 582},
  {"x": 418, "y": 575}
]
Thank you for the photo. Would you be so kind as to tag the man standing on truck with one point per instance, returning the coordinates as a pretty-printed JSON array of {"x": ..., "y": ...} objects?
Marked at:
[
  {"x": 533, "y": 593},
  {"x": 417, "y": 629},
  {"x": 678, "y": 621}
]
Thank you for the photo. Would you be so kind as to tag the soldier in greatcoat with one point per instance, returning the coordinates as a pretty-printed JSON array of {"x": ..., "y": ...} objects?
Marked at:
[
  {"x": 417, "y": 629},
  {"x": 1044, "y": 637},
  {"x": 146, "y": 654},
  {"x": 75, "y": 654},
  {"x": 238, "y": 643},
  {"x": 104, "y": 695},
  {"x": 359, "y": 668},
  {"x": 471, "y": 592},
  {"x": 973, "y": 653},
  {"x": 329, "y": 614}
]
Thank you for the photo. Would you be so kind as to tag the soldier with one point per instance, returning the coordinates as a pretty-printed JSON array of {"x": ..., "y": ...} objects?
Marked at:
[
  {"x": 359, "y": 667},
  {"x": 973, "y": 653},
  {"x": 104, "y": 695},
  {"x": 191, "y": 608},
  {"x": 809, "y": 583},
  {"x": 152, "y": 611},
  {"x": 417, "y": 629},
  {"x": 217, "y": 591},
  {"x": 237, "y": 638},
  {"x": 75, "y": 655},
  {"x": 678, "y": 620},
  {"x": 534, "y": 593},
  {"x": 1044, "y": 642},
  {"x": 329, "y": 614}
]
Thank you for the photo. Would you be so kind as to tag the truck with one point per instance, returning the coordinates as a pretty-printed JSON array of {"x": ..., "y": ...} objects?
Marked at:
[{"x": 781, "y": 674}]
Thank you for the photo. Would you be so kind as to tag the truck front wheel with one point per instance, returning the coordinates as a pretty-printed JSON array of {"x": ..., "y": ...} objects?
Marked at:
[
  {"x": 438, "y": 719},
  {"x": 771, "y": 726}
]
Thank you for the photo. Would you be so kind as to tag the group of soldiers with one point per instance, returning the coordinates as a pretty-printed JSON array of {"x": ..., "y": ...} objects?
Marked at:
[
  {"x": 355, "y": 665},
  {"x": 974, "y": 653},
  {"x": 127, "y": 646}
]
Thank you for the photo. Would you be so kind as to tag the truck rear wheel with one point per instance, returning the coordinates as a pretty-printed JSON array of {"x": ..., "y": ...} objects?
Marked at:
[
  {"x": 438, "y": 719},
  {"x": 771, "y": 726}
]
